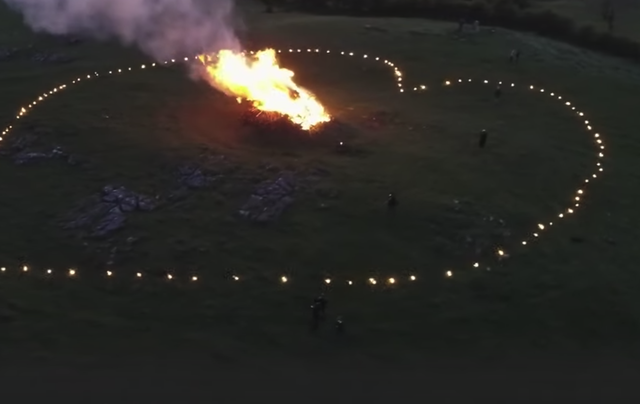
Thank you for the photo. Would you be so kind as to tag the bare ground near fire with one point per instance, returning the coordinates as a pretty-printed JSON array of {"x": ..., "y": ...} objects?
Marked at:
[{"x": 171, "y": 141}]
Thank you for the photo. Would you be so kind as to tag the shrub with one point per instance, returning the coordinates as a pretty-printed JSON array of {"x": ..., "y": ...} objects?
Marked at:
[{"x": 502, "y": 13}]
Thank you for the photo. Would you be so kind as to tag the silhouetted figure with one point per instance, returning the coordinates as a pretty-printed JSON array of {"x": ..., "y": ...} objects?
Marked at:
[
  {"x": 606, "y": 9},
  {"x": 610, "y": 20},
  {"x": 483, "y": 138},
  {"x": 392, "y": 202},
  {"x": 320, "y": 303},
  {"x": 512, "y": 56},
  {"x": 339, "y": 326},
  {"x": 497, "y": 93},
  {"x": 316, "y": 317},
  {"x": 517, "y": 56},
  {"x": 461, "y": 25}
]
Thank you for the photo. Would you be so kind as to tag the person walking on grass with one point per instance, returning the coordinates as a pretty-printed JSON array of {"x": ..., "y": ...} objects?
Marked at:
[
  {"x": 316, "y": 317},
  {"x": 339, "y": 326},
  {"x": 321, "y": 303},
  {"x": 392, "y": 201},
  {"x": 497, "y": 93},
  {"x": 483, "y": 138}
]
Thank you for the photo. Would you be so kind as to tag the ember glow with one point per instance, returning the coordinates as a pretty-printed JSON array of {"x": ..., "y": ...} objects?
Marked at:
[{"x": 259, "y": 79}]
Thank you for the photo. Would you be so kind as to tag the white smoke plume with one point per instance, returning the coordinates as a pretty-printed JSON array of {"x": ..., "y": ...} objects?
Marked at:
[{"x": 161, "y": 28}]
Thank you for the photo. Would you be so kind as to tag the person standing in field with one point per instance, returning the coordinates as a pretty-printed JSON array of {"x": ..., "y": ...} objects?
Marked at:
[
  {"x": 392, "y": 202},
  {"x": 483, "y": 138}
]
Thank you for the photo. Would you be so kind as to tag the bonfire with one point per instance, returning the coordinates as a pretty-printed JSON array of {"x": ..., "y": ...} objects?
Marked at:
[{"x": 258, "y": 79}]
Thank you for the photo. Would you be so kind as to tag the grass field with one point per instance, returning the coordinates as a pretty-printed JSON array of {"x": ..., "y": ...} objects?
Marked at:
[{"x": 574, "y": 289}]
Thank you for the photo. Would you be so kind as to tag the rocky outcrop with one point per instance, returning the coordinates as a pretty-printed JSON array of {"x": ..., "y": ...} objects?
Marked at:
[{"x": 270, "y": 199}]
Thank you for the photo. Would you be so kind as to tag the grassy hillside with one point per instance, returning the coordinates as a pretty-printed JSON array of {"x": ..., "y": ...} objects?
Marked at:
[{"x": 576, "y": 288}]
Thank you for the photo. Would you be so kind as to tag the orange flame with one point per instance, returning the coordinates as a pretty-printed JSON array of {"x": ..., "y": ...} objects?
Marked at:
[{"x": 268, "y": 86}]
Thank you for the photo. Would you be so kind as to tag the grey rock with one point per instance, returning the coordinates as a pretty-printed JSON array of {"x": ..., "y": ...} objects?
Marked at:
[
  {"x": 106, "y": 212},
  {"x": 50, "y": 57},
  {"x": 7, "y": 53},
  {"x": 113, "y": 221},
  {"x": 193, "y": 177},
  {"x": 270, "y": 199}
]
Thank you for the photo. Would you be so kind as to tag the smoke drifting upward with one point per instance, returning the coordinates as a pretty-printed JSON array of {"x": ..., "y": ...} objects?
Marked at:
[{"x": 161, "y": 28}]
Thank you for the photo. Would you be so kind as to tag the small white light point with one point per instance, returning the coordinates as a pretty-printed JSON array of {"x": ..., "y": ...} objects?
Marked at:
[
  {"x": 235, "y": 278},
  {"x": 524, "y": 243},
  {"x": 500, "y": 252},
  {"x": 25, "y": 268},
  {"x": 372, "y": 281},
  {"x": 169, "y": 276},
  {"x": 139, "y": 275},
  {"x": 284, "y": 279},
  {"x": 194, "y": 278},
  {"x": 476, "y": 265},
  {"x": 540, "y": 226},
  {"x": 109, "y": 273},
  {"x": 391, "y": 281},
  {"x": 3, "y": 269},
  {"x": 72, "y": 272},
  {"x": 349, "y": 283},
  {"x": 49, "y": 271},
  {"x": 412, "y": 277},
  {"x": 569, "y": 210},
  {"x": 327, "y": 281},
  {"x": 447, "y": 83},
  {"x": 449, "y": 274}
]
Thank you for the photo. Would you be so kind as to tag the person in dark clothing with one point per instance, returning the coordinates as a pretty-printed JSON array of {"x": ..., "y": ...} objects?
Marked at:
[
  {"x": 320, "y": 303},
  {"x": 316, "y": 317},
  {"x": 483, "y": 138},
  {"x": 497, "y": 93},
  {"x": 517, "y": 55},
  {"x": 461, "y": 25},
  {"x": 339, "y": 325},
  {"x": 392, "y": 202}
]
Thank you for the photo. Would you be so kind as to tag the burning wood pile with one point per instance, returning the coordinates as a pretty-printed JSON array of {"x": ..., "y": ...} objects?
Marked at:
[{"x": 269, "y": 89}]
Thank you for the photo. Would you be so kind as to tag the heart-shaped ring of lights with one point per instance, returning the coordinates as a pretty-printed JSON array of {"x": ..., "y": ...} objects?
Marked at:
[{"x": 501, "y": 252}]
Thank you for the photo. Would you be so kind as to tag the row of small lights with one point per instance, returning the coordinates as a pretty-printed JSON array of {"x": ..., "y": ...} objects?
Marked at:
[
  {"x": 579, "y": 193},
  {"x": 26, "y": 109},
  {"x": 72, "y": 273},
  {"x": 500, "y": 252}
]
